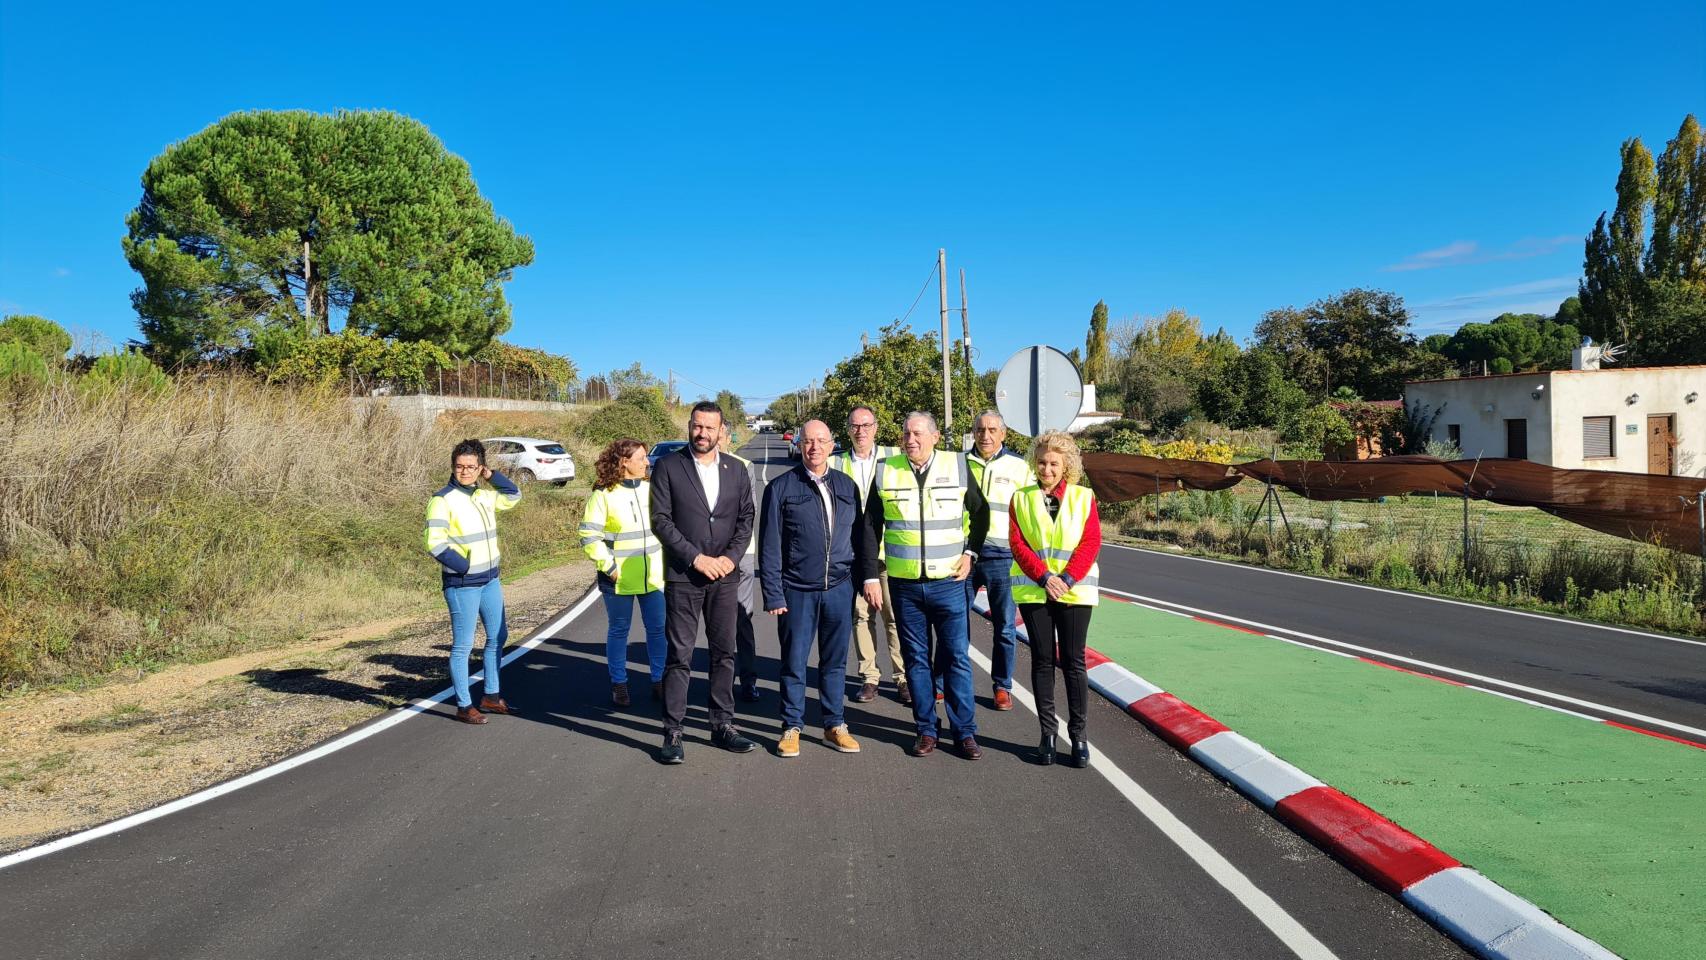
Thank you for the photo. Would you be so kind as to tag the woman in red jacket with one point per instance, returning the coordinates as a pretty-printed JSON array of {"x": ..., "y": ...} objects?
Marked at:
[{"x": 1055, "y": 536}]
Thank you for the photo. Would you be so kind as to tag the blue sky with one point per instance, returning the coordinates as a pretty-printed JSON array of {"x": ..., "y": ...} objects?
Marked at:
[{"x": 737, "y": 191}]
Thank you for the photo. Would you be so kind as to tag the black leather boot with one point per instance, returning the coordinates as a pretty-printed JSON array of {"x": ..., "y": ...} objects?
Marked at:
[
  {"x": 1045, "y": 750},
  {"x": 1081, "y": 753}
]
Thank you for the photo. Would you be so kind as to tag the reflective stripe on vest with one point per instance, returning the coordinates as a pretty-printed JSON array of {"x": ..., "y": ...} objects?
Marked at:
[
  {"x": 844, "y": 462},
  {"x": 1053, "y": 538},
  {"x": 616, "y": 532},
  {"x": 924, "y": 531},
  {"x": 999, "y": 479},
  {"x": 467, "y": 524}
]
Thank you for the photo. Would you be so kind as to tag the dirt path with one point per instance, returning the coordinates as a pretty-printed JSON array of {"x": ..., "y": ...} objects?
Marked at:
[{"x": 70, "y": 760}]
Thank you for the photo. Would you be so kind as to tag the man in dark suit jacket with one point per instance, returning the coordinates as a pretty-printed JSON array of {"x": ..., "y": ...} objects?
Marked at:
[{"x": 702, "y": 512}]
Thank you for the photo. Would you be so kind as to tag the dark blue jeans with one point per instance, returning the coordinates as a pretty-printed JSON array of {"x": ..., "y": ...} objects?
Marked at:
[
  {"x": 825, "y": 616},
  {"x": 992, "y": 573},
  {"x": 619, "y": 608},
  {"x": 921, "y": 606}
]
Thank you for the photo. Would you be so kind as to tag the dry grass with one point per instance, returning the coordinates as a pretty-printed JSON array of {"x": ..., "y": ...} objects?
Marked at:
[{"x": 139, "y": 528}]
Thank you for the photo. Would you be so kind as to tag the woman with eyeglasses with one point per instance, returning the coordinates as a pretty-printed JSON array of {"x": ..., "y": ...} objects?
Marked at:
[{"x": 462, "y": 535}]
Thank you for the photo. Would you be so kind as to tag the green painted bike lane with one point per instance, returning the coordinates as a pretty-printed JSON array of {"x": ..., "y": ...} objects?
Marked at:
[{"x": 1603, "y": 828}]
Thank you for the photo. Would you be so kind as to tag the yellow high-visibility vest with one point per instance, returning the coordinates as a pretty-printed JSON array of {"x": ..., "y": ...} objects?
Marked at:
[
  {"x": 616, "y": 532},
  {"x": 924, "y": 529},
  {"x": 466, "y": 522},
  {"x": 999, "y": 479},
  {"x": 1054, "y": 538},
  {"x": 844, "y": 462}
]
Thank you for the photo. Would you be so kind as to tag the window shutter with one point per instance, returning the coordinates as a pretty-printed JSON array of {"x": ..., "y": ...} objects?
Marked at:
[{"x": 1596, "y": 437}]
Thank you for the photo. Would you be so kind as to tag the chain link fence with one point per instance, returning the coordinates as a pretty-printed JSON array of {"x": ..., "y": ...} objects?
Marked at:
[{"x": 1435, "y": 542}]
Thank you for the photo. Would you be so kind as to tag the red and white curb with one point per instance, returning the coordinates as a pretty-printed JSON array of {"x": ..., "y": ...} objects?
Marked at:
[{"x": 1473, "y": 910}]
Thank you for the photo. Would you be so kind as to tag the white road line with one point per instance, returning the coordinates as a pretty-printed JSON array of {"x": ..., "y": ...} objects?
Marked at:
[
  {"x": 1414, "y": 596},
  {"x": 1420, "y": 663},
  {"x": 1283, "y": 925},
  {"x": 195, "y": 799}
]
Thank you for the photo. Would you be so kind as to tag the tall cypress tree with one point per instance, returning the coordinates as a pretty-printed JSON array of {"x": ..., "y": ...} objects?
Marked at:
[
  {"x": 1678, "y": 248},
  {"x": 1096, "y": 345},
  {"x": 1613, "y": 287}
]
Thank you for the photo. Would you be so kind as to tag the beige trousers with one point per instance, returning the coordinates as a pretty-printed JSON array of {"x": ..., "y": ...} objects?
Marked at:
[{"x": 864, "y": 643}]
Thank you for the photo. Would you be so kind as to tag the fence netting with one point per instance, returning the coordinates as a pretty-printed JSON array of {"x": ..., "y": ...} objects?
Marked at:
[{"x": 1651, "y": 509}]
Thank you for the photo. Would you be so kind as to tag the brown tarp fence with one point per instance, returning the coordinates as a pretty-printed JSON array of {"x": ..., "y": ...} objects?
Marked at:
[{"x": 1637, "y": 506}]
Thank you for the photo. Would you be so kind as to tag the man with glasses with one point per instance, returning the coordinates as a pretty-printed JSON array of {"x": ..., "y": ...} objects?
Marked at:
[{"x": 863, "y": 461}]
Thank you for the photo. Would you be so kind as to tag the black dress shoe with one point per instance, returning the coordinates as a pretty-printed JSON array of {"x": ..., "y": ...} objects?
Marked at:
[
  {"x": 671, "y": 752},
  {"x": 1081, "y": 753},
  {"x": 730, "y": 739},
  {"x": 749, "y": 692},
  {"x": 1045, "y": 750}
]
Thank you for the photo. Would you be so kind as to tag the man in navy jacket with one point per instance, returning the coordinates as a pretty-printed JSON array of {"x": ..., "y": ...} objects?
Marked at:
[{"x": 806, "y": 563}]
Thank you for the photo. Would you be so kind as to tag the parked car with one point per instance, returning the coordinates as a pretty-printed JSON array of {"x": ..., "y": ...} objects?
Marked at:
[
  {"x": 664, "y": 448},
  {"x": 526, "y": 459}
]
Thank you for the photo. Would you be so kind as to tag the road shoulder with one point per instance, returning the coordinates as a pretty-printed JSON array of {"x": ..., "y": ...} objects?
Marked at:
[{"x": 71, "y": 760}]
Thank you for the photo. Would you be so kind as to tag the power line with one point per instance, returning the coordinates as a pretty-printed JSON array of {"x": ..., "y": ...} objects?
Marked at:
[{"x": 921, "y": 290}]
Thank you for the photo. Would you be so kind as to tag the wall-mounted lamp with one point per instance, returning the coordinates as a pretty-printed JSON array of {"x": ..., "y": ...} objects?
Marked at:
[
  {"x": 1487, "y": 409},
  {"x": 1538, "y": 391},
  {"x": 1693, "y": 395},
  {"x": 1632, "y": 399}
]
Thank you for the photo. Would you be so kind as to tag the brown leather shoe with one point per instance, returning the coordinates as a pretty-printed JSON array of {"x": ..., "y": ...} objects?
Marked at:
[
  {"x": 494, "y": 705},
  {"x": 470, "y": 715},
  {"x": 619, "y": 695},
  {"x": 969, "y": 748},
  {"x": 904, "y": 692},
  {"x": 1003, "y": 699},
  {"x": 866, "y": 693},
  {"x": 924, "y": 746}
]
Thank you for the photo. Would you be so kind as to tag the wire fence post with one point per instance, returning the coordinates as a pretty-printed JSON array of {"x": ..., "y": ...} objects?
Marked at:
[{"x": 1700, "y": 507}]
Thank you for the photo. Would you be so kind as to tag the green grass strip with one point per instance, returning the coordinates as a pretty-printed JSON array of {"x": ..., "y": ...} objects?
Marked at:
[{"x": 1603, "y": 828}]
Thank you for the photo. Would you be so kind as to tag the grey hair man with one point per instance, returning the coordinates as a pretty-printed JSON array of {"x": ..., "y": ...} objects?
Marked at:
[{"x": 862, "y": 461}]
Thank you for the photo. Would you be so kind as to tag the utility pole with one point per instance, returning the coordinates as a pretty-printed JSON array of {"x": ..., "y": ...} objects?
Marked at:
[
  {"x": 671, "y": 397},
  {"x": 947, "y": 385},
  {"x": 965, "y": 331}
]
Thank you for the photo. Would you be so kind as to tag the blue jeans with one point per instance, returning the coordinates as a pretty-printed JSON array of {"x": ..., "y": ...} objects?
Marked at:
[
  {"x": 921, "y": 606},
  {"x": 485, "y": 603},
  {"x": 991, "y": 573},
  {"x": 825, "y": 616},
  {"x": 619, "y": 609}
]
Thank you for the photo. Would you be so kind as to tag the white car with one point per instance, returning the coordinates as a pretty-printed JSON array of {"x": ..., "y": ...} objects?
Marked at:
[{"x": 525, "y": 459}]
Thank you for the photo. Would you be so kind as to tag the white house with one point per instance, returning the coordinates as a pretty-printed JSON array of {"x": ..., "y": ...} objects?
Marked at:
[
  {"x": 1088, "y": 415},
  {"x": 1635, "y": 419}
]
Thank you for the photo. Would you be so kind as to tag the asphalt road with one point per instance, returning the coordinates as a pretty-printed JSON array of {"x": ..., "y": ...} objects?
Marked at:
[
  {"x": 1644, "y": 679},
  {"x": 555, "y": 834}
]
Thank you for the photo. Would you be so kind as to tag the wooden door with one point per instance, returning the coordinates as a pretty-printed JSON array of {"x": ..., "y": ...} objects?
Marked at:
[{"x": 1661, "y": 444}]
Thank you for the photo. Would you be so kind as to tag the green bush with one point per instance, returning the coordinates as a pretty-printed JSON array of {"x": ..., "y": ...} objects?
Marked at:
[
  {"x": 39, "y": 334},
  {"x": 325, "y": 360},
  {"x": 639, "y": 414},
  {"x": 127, "y": 369},
  {"x": 21, "y": 365}
]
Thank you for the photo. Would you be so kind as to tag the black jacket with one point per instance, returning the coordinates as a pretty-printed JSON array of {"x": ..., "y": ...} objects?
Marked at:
[
  {"x": 797, "y": 549},
  {"x": 687, "y": 526}
]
